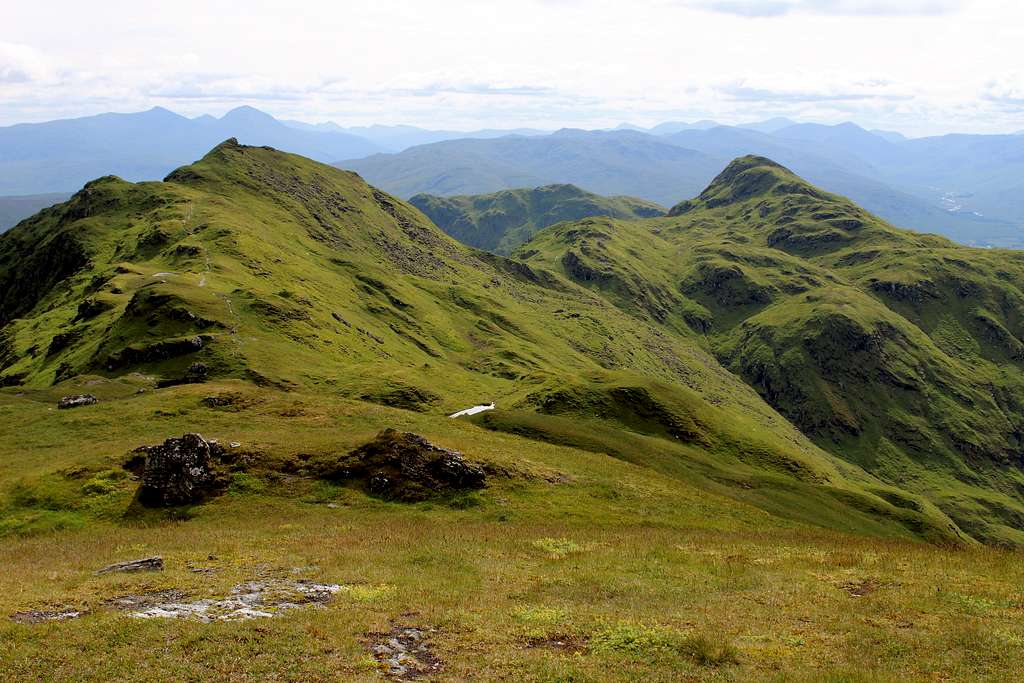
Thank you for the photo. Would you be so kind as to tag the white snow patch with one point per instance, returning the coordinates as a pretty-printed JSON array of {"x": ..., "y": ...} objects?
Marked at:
[{"x": 474, "y": 410}]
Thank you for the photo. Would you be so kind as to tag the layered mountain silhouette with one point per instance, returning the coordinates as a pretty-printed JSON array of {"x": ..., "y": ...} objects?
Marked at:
[
  {"x": 605, "y": 162},
  {"x": 60, "y": 156},
  {"x": 879, "y": 173},
  {"x": 966, "y": 187},
  {"x": 767, "y": 339}
]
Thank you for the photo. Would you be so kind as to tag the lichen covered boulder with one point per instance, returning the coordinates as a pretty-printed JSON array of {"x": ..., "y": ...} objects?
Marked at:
[
  {"x": 77, "y": 401},
  {"x": 180, "y": 471}
]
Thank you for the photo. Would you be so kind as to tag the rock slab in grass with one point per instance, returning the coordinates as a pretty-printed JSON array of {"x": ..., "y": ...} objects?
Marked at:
[
  {"x": 149, "y": 564},
  {"x": 405, "y": 653},
  {"x": 77, "y": 401}
]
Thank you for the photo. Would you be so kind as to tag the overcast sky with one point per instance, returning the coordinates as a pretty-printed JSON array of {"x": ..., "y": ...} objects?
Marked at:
[{"x": 917, "y": 66}]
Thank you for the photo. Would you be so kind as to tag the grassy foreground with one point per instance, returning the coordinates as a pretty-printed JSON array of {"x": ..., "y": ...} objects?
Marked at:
[{"x": 575, "y": 567}]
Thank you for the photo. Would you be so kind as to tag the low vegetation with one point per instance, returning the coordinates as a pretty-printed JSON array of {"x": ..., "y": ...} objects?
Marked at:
[
  {"x": 502, "y": 221},
  {"x": 719, "y": 451}
]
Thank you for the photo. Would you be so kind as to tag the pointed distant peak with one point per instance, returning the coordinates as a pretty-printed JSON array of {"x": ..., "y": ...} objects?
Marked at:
[
  {"x": 247, "y": 113},
  {"x": 160, "y": 113},
  {"x": 746, "y": 178}
]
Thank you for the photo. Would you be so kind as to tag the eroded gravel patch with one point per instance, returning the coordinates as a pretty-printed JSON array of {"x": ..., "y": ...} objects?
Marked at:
[
  {"x": 405, "y": 652},
  {"x": 251, "y": 600},
  {"x": 35, "y": 616}
]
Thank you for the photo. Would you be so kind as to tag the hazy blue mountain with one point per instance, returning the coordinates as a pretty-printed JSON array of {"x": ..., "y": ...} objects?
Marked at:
[
  {"x": 325, "y": 127},
  {"x": 889, "y": 135},
  {"x": 828, "y": 156},
  {"x": 670, "y": 127},
  {"x": 847, "y": 138},
  {"x": 976, "y": 173},
  {"x": 399, "y": 138},
  {"x": 844, "y": 159},
  {"x": 15, "y": 209},
  {"x": 769, "y": 125},
  {"x": 605, "y": 162},
  {"x": 59, "y": 156}
]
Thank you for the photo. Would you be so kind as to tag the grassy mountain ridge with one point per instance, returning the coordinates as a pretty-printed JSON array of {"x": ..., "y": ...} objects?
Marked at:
[
  {"x": 273, "y": 269},
  {"x": 894, "y": 350},
  {"x": 501, "y": 221}
]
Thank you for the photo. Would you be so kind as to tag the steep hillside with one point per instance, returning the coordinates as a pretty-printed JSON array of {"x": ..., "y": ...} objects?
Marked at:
[
  {"x": 897, "y": 351},
  {"x": 269, "y": 268},
  {"x": 502, "y": 221}
]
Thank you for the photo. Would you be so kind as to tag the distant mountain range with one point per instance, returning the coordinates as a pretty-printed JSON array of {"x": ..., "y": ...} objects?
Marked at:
[
  {"x": 398, "y": 138},
  {"x": 605, "y": 162},
  {"x": 60, "y": 156},
  {"x": 968, "y": 187},
  {"x": 965, "y": 187}
]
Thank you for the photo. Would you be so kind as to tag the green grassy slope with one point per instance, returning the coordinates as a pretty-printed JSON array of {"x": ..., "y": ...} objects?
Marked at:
[
  {"x": 501, "y": 221},
  {"x": 897, "y": 351},
  {"x": 273, "y": 269},
  {"x": 580, "y": 567}
]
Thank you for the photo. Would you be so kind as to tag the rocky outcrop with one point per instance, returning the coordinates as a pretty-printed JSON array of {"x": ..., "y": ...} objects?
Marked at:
[
  {"x": 153, "y": 353},
  {"x": 407, "y": 467},
  {"x": 179, "y": 472},
  {"x": 77, "y": 401},
  {"x": 197, "y": 373}
]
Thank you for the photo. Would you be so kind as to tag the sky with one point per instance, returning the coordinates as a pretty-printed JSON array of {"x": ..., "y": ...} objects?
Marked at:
[{"x": 920, "y": 67}]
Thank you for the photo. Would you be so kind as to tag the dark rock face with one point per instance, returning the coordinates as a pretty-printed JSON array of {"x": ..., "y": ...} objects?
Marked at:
[
  {"x": 153, "y": 353},
  {"x": 179, "y": 472},
  {"x": 197, "y": 373},
  {"x": 77, "y": 401},
  {"x": 407, "y": 467}
]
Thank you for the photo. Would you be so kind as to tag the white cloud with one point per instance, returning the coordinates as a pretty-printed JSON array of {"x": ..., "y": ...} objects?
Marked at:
[
  {"x": 776, "y": 8},
  {"x": 922, "y": 66},
  {"x": 22, "y": 64}
]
